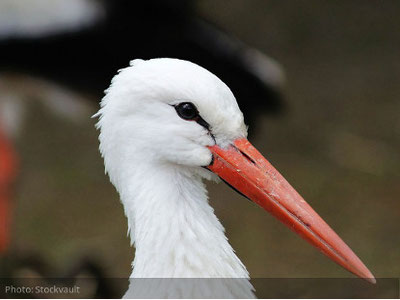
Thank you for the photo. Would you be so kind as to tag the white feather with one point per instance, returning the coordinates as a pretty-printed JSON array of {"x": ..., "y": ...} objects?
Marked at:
[{"x": 154, "y": 158}]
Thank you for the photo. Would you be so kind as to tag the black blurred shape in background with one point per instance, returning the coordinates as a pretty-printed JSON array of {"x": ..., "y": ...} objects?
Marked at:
[{"x": 86, "y": 59}]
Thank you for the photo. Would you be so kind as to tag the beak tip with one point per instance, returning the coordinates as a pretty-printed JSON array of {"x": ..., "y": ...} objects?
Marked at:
[
  {"x": 367, "y": 276},
  {"x": 371, "y": 280}
]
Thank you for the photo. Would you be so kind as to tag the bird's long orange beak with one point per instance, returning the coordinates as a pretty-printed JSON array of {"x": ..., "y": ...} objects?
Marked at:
[{"x": 246, "y": 170}]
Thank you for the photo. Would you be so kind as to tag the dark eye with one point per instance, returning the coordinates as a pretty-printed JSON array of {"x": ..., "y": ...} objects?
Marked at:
[{"x": 187, "y": 111}]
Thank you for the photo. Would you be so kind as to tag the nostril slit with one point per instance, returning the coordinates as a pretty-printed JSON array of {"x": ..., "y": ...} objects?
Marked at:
[{"x": 248, "y": 157}]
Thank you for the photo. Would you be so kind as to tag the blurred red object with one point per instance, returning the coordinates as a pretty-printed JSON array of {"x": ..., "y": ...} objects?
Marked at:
[{"x": 8, "y": 170}]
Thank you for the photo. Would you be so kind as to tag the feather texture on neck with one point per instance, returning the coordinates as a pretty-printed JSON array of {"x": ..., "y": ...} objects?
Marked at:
[{"x": 173, "y": 227}]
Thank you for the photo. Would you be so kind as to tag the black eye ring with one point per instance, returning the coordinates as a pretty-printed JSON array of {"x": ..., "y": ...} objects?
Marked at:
[{"x": 187, "y": 111}]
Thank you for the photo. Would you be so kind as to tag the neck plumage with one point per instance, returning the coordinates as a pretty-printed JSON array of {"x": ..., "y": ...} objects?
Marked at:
[
  {"x": 174, "y": 229},
  {"x": 177, "y": 235}
]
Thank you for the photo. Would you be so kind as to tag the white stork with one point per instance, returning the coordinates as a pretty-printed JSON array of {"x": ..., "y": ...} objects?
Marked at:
[{"x": 165, "y": 125}]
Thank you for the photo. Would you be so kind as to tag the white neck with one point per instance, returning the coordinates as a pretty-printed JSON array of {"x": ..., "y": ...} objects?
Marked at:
[
  {"x": 174, "y": 229},
  {"x": 177, "y": 235}
]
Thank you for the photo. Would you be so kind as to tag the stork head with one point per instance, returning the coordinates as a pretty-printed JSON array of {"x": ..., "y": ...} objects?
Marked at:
[
  {"x": 169, "y": 111},
  {"x": 166, "y": 111}
]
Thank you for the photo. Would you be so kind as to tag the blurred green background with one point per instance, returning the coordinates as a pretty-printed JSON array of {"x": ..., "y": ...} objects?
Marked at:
[{"x": 337, "y": 143}]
